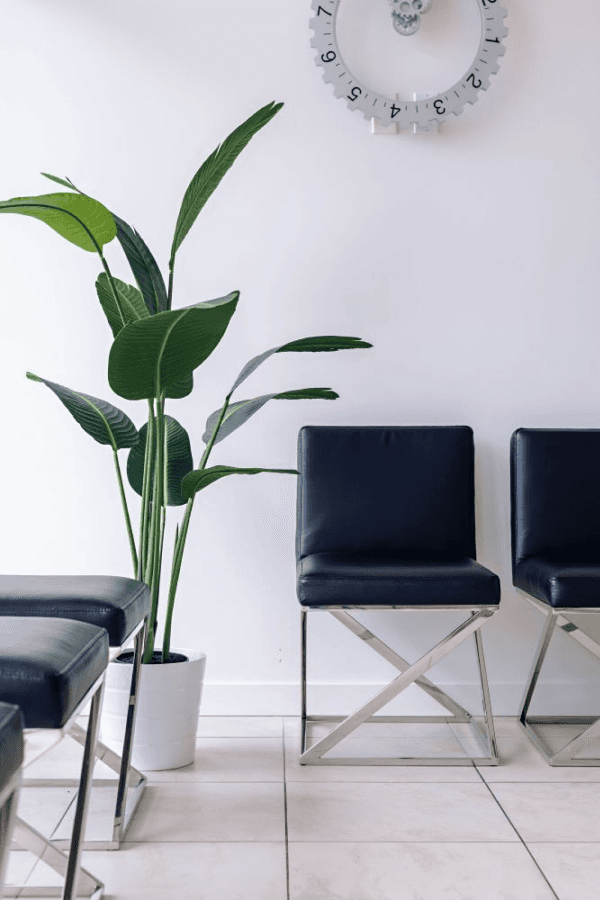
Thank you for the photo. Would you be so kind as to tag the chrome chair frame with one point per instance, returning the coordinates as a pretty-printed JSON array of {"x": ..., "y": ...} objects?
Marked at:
[
  {"x": 410, "y": 674},
  {"x": 9, "y": 797},
  {"x": 68, "y": 866},
  {"x": 131, "y": 782},
  {"x": 566, "y": 756}
]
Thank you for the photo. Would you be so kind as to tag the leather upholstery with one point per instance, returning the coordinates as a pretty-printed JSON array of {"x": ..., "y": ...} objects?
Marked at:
[
  {"x": 555, "y": 515},
  {"x": 386, "y": 516},
  {"x": 369, "y": 579},
  {"x": 114, "y": 603},
  {"x": 11, "y": 742},
  {"x": 48, "y": 665}
]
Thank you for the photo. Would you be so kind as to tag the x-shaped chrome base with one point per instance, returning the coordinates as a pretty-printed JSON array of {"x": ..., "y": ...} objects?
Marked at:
[
  {"x": 410, "y": 674},
  {"x": 130, "y": 783},
  {"x": 567, "y": 755},
  {"x": 77, "y": 882}
]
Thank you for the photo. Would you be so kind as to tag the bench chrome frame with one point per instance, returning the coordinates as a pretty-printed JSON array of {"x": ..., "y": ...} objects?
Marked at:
[
  {"x": 410, "y": 674},
  {"x": 77, "y": 881},
  {"x": 567, "y": 755},
  {"x": 130, "y": 782},
  {"x": 9, "y": 797}
]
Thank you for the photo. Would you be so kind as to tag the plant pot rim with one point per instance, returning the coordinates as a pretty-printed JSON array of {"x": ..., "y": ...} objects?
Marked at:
[{"x": 191, "y": 657}]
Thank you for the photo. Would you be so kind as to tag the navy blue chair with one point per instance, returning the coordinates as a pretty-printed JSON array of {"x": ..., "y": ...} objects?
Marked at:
[
  {"x": 51, "y": 668},
  {"x": 555, "y": 501},
  {"x": 386, "y": 520},
  {"x": 121, "y": 606},
  {"x": 11, "y": 761}
]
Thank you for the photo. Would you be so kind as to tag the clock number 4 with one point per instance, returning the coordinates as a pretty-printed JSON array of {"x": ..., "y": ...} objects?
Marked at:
[
  {"x": 476, "y": 82},
  {"x": 324, "y": 11},
  {"x": 354, "y": 93}
]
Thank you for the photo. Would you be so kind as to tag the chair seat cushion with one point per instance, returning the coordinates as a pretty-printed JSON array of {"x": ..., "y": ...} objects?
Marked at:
[
  {"x": 47, "y": 666},
  {"x": 11, "y": 742},
  {"x": 110, "y": 602},
  {"x": 559, "y": 584},
  {"x": 367, "y": 579}
]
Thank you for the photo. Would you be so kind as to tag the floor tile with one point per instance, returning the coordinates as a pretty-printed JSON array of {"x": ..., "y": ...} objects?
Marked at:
[
  {"x": 44, "y": 808},
  {"x": 64, "y": 761},
  {"x": 394, "y": 812},
  {"x": 19, "y": 866},
  {"x": 295, "y": 772},
  {"x": 210, "y": 812},
  {"x": 230, "y": 759},
  {"x": 186, "y": 871},
  {"x": 520, "y": 761},
  {"x": 417, "y": 871},
  {"x": 240, "y": 726},
  {"x": 552, "y": 812},
  {"x": 573, "y": 870}
]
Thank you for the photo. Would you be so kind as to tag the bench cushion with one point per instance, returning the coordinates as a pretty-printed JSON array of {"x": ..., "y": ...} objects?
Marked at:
[
  {"x": 47, "y": 666},
  {"x": 11, "y": 742},
  {"x": 568, "y": 585},
  {"x": 368, "y": 579},
  {"x": 110, "y": 602}
]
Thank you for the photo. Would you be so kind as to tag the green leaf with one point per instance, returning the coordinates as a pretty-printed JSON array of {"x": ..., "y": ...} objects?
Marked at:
[
  {"x": 76, "y": 217},
  {"x": 178, "y": 461},
  {"x": 101, "y": 420},
  {"x": 149, "y": 356},
  {"x": 132, "y": 302},
  {"x": 318, "y": 344},
  {"x": 181, "y": 388},
  {"x": 201, "y": 478},
  {"x": 144, "y": 267},
  {"x": 239, "y": 413},
  {"x": 209, "y": 175}
]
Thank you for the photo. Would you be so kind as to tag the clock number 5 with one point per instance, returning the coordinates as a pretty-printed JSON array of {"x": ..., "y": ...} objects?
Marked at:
[
  {"x": 476, "y": 82},
  {"x": 354, "y": 93}
]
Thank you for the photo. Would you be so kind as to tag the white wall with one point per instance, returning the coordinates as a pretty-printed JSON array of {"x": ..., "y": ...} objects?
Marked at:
[{"x": 469, "y": 259}]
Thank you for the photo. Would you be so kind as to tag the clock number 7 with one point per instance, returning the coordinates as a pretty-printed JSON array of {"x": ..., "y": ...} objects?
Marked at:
[
  {"x": 321, "y": 10},
  {"x": 354, "y": 93}
]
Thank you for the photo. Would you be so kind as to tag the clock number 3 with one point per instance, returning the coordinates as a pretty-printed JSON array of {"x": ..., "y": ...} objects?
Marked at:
[
  {"x": 354, "y": 93},
  {"x": 439, "y": 107}
]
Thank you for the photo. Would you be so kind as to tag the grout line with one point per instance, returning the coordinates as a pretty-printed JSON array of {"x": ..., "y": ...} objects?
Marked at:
[
  {"x": 285, "y": 815},
  {"x": 512, "y": 825}
]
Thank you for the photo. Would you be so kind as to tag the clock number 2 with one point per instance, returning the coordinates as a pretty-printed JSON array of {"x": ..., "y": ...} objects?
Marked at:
[
  {"x": 439, "y": 107},
  {"x": 354, "y": 93},
  {"x": 476, "y": 82}
]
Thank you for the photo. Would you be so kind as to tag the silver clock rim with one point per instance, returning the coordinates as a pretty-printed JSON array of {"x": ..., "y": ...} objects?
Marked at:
[{"x": 405, "y": 113}]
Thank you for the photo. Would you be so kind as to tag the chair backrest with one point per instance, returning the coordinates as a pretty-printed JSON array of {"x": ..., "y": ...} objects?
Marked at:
[
  {"x": 555, "y": 494},
  {"x": 404, "y": 490}
]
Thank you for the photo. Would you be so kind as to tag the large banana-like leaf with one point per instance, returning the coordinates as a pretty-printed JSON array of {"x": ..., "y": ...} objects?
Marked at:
[
  {"x": 178, "y": 461},
  {"x": 209, "y": 175},
  {"x": 100, "y": 419},
  {"x": 143, "y": 265},
  {"x": 132, "y": 303},
  {"x": 239, "y": 413},
  {"x": 318, "y": 344},
  {"x": 79, "y": 219},
  {"x": 201, "y": 478},
  {"x": 151, "y": 355}
]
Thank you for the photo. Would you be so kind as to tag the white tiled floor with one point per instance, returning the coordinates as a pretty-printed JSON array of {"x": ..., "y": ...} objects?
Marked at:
[{"x": 247, "y": 821}]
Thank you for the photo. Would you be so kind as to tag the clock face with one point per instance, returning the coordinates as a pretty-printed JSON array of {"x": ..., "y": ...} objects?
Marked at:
[{"x": 394, "y": 32}]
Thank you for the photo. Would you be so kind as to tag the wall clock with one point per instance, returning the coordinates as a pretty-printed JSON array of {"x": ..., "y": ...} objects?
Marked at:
[{"x": 407, "y": 18}]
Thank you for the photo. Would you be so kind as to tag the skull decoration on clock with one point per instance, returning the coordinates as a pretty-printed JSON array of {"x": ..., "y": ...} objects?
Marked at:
[{"x": 406, "y": 20}]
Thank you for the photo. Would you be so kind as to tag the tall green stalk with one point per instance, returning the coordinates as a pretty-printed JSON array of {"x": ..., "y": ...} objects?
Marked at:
[{"x": 134, "y": 556}]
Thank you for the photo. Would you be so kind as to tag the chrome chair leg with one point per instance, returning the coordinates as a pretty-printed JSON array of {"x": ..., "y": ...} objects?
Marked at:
[
  {"x": 411, "y": 674},
  {"x": 8, "y": 813}
]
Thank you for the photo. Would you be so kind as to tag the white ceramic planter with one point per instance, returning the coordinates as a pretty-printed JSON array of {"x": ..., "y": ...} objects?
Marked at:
[{"x": 168, "y": 707}]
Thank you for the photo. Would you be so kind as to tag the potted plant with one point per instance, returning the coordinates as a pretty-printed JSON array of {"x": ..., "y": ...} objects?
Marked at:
[{"x": 155, "y": 350}]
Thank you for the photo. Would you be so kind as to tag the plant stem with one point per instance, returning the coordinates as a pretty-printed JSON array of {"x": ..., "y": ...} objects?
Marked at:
[
  {"x": 157, "y": 516},
  {"x": 146, "y": 484},
  {"x": 134, "y": 556},
  {"x": 113, "y": 287},
  {"x": 180, "y": 539},
  {"x": 170, "y": 291}
]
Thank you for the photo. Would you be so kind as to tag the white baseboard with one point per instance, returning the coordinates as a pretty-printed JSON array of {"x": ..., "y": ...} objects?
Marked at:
[{"x": 341, "y": 699}]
